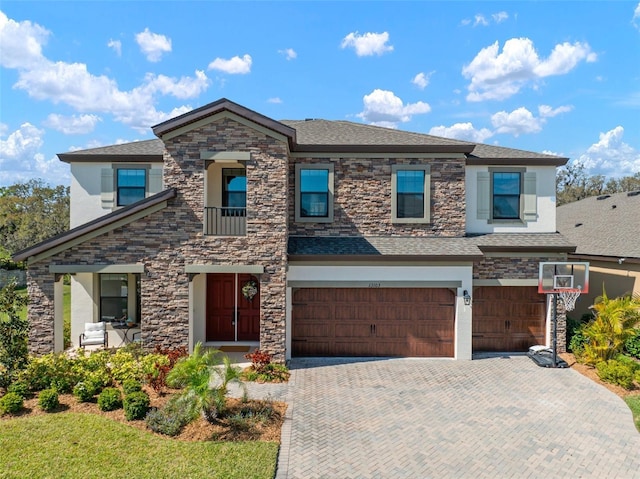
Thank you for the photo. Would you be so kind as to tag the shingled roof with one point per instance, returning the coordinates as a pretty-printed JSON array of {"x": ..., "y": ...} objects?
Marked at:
[
  {"x": 607, "y": 225},
  {"x": 466, "y": 248},
  {"x": 317, "y": 135}
]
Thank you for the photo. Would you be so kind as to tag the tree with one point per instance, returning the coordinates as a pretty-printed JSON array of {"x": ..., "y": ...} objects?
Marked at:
[
  {"x": 573, "y": 184},
  {"x": 32, "y": 212},
  {"x": 14, "y": 330}
]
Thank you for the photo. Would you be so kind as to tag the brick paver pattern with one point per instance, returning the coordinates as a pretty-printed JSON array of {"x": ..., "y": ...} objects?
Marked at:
[{"x": 497, "y": 417}]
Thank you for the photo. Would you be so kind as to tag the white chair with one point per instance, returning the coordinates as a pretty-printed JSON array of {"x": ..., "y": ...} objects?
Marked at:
[{"x": 94, "y": 333}]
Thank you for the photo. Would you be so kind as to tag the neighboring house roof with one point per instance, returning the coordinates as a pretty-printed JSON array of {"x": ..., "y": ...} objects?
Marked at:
[
  {"x": 147, "y": 150},
  {"x": 97, "y": 226},
  {"x": 316, "y": 135},
  {"x": 467, "y": 248},
  {"x": 604, "y": 226}
]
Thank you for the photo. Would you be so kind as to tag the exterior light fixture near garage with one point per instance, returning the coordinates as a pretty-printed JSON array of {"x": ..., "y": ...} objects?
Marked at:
[{"x": 467, "y": 298}]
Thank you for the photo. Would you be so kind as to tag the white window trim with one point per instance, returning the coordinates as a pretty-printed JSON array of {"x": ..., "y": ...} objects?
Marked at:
[
  {"x": 427, "y": 194},
  {"x": 315, "y": 166}
]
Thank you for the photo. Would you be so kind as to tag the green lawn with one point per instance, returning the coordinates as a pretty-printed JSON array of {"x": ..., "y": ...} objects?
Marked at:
[
  {"x": 634, "y": 404},
  {"x": 70, "y": 445}
]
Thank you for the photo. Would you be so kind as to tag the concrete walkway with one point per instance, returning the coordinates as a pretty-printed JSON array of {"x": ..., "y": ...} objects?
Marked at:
[{"x": 498, "y": 417}]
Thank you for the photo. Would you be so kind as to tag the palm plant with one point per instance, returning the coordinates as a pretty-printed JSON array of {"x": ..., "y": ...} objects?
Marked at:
[
  {"x": 612, "y": 326},
  {"x": 204, "y": 376}
]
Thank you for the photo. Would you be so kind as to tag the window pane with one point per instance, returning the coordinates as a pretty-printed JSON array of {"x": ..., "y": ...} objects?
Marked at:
[
  {"x": 410, "y": 205},
  {"x": 234, "y": 184},
  {"x": 113, "y": 296},
  {"x": 410, "y": 181},
  {"x": 314, "y": 181},
  {"x": 506, "y": 207},
  {"x": 506, "y": 183},
  {"x": 127, "y": 196},
  {"x": 131, "y": 178},
  {"x": 314, "y": 205}
]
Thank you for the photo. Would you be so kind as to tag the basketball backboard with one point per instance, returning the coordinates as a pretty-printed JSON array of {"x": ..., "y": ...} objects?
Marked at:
[{"x": 556, "y": 277}]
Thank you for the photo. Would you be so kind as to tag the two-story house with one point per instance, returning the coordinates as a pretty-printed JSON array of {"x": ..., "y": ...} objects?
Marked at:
[{"x": 303, "y": 238}]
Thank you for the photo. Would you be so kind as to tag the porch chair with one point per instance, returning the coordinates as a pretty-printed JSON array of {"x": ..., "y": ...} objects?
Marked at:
[{"x": 94, "y": 333}]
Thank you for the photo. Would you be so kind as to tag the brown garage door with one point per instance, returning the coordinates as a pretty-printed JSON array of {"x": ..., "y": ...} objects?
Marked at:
[
  {"x": 373, "y": 322},
  {"x": 508, "y": 318}
]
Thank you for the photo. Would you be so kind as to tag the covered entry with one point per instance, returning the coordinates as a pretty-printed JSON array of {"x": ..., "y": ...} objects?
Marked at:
[
  {"x": 508, "y": 318},
  {"x": 373, "y": 322}
]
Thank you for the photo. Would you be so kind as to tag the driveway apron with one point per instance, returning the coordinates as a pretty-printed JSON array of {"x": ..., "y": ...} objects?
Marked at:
[{"x": 497, "y": 417}]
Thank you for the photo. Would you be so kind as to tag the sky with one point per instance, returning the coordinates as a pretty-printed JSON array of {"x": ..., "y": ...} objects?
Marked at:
[{"x": 549, "y": 77}]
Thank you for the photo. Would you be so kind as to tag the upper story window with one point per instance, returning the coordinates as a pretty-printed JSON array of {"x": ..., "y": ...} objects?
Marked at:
[
  {"x": 314, "y": 193},
  {"x": 410, "y": 193},
  {"x": 234, "y": 190},
  {"x": 507, "y": 195},
  {"x": 124, "y": 184},
  {"x": 131, "y": 185}
]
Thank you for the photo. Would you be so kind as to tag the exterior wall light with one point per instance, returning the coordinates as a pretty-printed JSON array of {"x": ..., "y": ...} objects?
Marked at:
[{"x": 467, "y": 298}]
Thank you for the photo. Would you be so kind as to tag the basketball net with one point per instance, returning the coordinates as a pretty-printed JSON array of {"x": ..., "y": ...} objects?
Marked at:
[{"x": 569, "y": 298}]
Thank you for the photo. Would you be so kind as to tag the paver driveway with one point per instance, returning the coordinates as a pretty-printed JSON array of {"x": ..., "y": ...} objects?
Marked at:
[{"x": 496, "y": 417}]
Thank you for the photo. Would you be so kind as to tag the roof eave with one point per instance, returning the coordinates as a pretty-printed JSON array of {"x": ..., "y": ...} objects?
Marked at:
[
  {"x": 518, "y": 161},
  {"x": 95, "y": 224},
  {"x": 374, "y": 257},
  {"x": 88, "y": 158},
  {"x": 335, "y": 148},
  {"x": 528, "y": 248},
  {"x": 605, "y": 259}
]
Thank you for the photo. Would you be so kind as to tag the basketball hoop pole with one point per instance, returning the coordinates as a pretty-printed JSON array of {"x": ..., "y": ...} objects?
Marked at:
[{"x": 555, "y": 330}]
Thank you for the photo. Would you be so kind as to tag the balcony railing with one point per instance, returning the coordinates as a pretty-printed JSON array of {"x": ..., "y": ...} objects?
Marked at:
[{"x": 225, "y": 221}]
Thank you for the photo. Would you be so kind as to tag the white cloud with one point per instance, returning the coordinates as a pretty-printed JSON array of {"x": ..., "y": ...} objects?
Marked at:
[
  {"x": 153, "y": 45},
  {"x": 611, "y": 156},
  {"x": 72, "y": 125},
  {"x": 233, "y": 66},
  {"x": 480, "y": 20},
  {"x": 500, "y": 17},
  {"x": 274, "y": 100},
  {"x": 368, "y": 44},
  {"x": 517, "y": 122},
  {"x": 498, "y": 75},
  {"x": 383, "y": 108},
  {"x": 21, "y": 43},
  {"x": 635, "y": 21},
  {"x": 289, "y": 53},
  {"x": 116, "y": 45},
  {"x": 462, "y": 131},
  {"x": 546, "y": 111},
  {"x": 421, "y": 80},
  {"x": 73, "y": 85},
  {"x": 21, "y": 160}
]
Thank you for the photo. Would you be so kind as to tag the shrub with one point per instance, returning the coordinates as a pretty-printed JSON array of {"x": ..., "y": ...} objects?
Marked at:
[
  {"x": 157, "y": 374},
  {"x": 14, "y": 330},
  {"x": 48, "y": 400},
  {"x": 11, "y": 403},
  {"x": 110, "y": 399},
  {"x": 577, "y": 342},
  {"x": 632, "y": 345},
  {"x": 136, "y": 405},
  {"x": 259, "y": 360},
  {"x": 131, "y": 386},
  {"x": 615, "y": 372},
  {"x": 84, "y": 391},
  {"x": 54, "y": 370},
  {"x": 21, "y": 388},
  {"x": 177, "y": 413}
]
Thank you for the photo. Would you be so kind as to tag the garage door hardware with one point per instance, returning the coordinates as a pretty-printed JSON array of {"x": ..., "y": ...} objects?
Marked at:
[{"x": 373, "y": 329}]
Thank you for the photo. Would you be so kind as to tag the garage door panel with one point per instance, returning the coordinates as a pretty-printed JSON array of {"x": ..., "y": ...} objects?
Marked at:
[
  {"x": 378, "y": 321},
  {"x": 311, "y": 348},
  {"x": 508, "y": 318},
  {"x": 312, "y": 330}
]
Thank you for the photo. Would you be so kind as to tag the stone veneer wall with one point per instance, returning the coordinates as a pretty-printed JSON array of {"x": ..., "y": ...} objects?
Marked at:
[
  {"x": 40, "y": 284},
  {"x": 362, "y": 198},
  {"x": 169, "y": 239},
  {"x": 520, "y": 268}
]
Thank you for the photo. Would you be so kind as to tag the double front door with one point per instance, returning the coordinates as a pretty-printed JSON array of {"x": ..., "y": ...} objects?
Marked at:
[{"x": 233, "y": 315}]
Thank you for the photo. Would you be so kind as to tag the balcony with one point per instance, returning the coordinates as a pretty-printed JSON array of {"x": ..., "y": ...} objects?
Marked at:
[{"x": 222, "y": 221}]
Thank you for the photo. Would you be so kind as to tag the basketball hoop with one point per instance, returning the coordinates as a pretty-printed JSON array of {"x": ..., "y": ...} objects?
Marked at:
[{"x": 569, "y": 298}]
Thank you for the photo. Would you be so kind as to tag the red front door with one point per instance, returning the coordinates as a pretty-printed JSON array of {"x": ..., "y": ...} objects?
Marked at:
[{"x": 231, "y": 316}]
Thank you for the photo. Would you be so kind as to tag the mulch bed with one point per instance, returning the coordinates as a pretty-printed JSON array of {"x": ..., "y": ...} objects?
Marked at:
[{"x": 198, "y": 430}]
